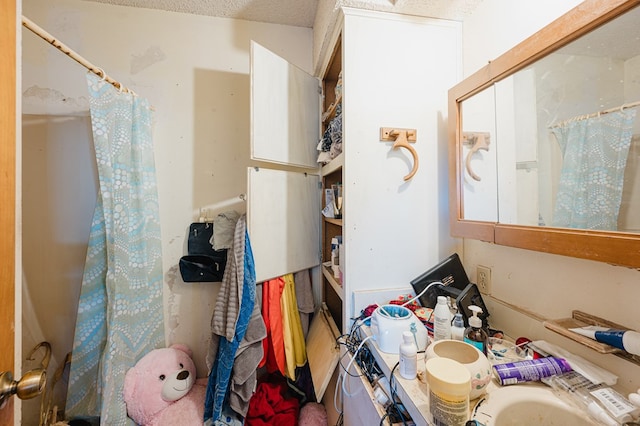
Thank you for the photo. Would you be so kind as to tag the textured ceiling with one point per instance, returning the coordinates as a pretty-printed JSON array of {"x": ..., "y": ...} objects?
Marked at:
[{"x": 300, "y": 13}]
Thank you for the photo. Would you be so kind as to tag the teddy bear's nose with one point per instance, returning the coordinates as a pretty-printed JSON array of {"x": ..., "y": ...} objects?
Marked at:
[{"x": 183, "y": 375}]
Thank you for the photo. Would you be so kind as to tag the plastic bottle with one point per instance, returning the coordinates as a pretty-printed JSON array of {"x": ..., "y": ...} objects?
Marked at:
[
  {"x": 441, "y": 320},
  {"x": 475, "y": 334},
  {"x": 408, "y": 356},
  {"x": 457, "y": 327},
  {"x": 335, "y": 255},
  {"x": 577, "y": 388}
]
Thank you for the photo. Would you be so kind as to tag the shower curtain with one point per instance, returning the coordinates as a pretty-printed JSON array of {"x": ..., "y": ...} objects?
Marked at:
[
  {"x": 594, "y": 151},
  {"x": 120, "y": 312}
]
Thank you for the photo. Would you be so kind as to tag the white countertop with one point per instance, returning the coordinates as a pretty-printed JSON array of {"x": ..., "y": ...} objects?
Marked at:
[{"x": 412, "y": 393}]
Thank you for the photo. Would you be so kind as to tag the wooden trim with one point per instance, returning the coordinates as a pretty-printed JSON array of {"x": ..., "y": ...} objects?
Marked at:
[
  {"x": 577, "y": 22},
  {"x": 616, "y": 248},
  {"x": 8, "y": 19},
  {"x": 611, "y": 247}
]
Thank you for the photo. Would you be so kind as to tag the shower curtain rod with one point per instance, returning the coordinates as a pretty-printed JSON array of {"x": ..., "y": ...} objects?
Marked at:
[
  {"x": 39, "y": 31},
  {"x": 595, "y": 114}
]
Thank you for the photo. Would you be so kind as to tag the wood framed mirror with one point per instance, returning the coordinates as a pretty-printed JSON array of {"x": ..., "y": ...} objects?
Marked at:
[{"x": 515, "y": 178}]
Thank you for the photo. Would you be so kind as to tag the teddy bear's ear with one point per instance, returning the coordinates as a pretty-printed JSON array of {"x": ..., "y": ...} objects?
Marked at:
[{"x": 183, "y": 348}]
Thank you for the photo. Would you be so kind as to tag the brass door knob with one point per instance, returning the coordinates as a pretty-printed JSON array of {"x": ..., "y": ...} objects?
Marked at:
[{"x": 31, "y": 384}]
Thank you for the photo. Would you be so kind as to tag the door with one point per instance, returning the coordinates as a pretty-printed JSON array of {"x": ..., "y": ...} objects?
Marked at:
[
  {"x": 283, "y": 204},
  {"x": 285, "y": 111},
  {"x": 7, "y": 193}
]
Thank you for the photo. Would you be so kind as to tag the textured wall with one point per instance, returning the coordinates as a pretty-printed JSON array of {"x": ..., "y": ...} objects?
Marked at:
[{"x": 196, "y": 76}]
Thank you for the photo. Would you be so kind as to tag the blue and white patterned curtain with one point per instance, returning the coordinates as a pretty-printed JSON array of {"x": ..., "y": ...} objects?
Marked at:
[
  {"x": 120, "y": 313},
  {"x": 595, "y": 152}
]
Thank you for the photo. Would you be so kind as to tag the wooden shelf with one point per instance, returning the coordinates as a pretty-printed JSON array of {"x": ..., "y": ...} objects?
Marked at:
[
  {"x": 328, "y": 274},
  {"x": 582, "y": 319},
  {"x": 337, "y": 222},
  {"x": 333, "y": 165}
]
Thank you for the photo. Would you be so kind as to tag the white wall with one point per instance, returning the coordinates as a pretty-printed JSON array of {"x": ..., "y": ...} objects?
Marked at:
[
  {"x": 194, "y": 70},
  {"x": 550, "y": 286}
]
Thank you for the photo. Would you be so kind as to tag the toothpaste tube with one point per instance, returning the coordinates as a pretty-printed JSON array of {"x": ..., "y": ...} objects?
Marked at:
[{"x": 626, "y": 340}]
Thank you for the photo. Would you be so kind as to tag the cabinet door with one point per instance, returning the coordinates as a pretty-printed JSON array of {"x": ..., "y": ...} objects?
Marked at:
[
  {"x": 285, "y": 111},
  {"x": 283, "y": 211},
  {"x": 283, "y": 208}
]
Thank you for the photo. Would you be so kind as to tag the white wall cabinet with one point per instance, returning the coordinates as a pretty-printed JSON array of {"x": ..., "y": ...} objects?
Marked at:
[{"x": 396, "y": 71}]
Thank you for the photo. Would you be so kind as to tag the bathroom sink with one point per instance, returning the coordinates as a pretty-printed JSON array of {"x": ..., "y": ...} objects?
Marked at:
[{"x": 527, "y": 404}]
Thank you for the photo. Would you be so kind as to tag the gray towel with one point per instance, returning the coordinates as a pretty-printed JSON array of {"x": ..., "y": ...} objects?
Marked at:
[
  {"x": 227, "y": 309},
  {"x": 245, "y": 365},
  {"x": 304, "y": 298}
]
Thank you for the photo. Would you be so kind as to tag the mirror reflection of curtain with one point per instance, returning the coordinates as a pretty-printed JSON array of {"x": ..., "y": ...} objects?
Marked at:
[
  {"x": 628, "y": 218},
  {"x": 594, "y": 151},
  {"x": 120, "y": 312}
]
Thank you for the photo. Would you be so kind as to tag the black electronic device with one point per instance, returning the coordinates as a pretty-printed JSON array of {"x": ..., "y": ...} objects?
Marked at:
[
  {"x": 471, "y": 296},
  {"x": 450, "y": 273},
  {"x": 455, "y": 284}
]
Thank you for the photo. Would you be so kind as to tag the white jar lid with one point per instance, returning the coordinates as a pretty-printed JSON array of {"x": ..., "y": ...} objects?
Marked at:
[{"x": 448, "y": 375}]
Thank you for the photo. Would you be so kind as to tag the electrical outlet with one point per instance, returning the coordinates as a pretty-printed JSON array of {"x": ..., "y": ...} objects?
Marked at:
[{"x": 483, "y": 276}]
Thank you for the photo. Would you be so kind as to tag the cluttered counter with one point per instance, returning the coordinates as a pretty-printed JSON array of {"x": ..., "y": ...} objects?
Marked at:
[
  {"x": 495, "y": 400},
  {"x": 437, "y": 362}
]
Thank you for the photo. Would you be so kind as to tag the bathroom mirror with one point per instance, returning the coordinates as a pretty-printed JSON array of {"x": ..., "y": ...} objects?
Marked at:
[{"x": 545, "y": 140}]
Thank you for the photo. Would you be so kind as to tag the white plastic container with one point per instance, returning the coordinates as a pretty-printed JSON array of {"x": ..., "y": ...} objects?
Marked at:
[
  {"x": 388, "y": 322},
  {"x": 468, "y": 355},
  {"x": 441, "y": 320},
  {"x": 408, "y": 356},
  {"x": 448, "y": 383},
  {"x": 457, "y": 327}
]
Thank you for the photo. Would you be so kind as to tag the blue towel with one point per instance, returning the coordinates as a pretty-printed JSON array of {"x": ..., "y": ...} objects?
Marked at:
[{"x": 218, "y": 382}]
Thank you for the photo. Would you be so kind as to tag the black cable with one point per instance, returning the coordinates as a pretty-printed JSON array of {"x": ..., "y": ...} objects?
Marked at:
[
  {"x": 394, "y": 395},
  {"x": 384, "y": 417},
  {"x": 370, "y": 369}
]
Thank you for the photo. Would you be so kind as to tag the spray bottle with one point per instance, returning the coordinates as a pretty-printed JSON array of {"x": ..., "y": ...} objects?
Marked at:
[{"x": 475, "y": 334}]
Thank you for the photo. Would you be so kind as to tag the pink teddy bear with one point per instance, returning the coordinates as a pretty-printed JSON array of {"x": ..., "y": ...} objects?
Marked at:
[{"x": 162, "y": 389}]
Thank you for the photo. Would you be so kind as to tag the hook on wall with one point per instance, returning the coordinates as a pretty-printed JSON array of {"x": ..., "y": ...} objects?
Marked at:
[
  {"x": 401, "y": 139},
  {"x": 477, "y": 140}
]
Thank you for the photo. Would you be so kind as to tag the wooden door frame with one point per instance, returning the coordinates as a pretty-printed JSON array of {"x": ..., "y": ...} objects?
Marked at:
[{"x": 8, "y": 22}]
